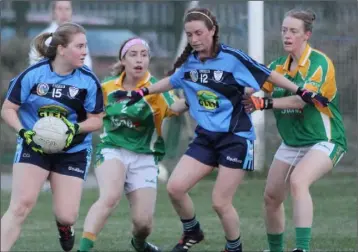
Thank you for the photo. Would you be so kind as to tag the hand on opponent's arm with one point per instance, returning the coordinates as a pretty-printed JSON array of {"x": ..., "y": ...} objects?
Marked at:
[{"x": 136, "y": 95}]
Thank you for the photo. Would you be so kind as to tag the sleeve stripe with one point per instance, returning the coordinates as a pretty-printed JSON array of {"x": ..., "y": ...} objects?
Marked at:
[
  {"x": 98, "y": 108},
  {"x": 240, "y": 54}
]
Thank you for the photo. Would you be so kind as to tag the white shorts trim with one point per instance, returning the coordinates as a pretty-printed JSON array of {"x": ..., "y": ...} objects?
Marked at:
[{"x": 293, "y": 155}]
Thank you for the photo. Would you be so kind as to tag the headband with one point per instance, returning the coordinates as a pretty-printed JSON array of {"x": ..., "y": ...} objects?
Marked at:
[
  {"x": 198, "y": 12},
  {"x": 132, "y": 42}
]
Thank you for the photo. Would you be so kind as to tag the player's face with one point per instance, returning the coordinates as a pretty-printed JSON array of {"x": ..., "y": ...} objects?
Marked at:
[
  {"x": 62, "y": 11},
  {"x": 199, "y": 36},
  {"x": 293, "y": 34},
  {"x": 136, "y": 61},
  {"x": 76, "y": 51}
]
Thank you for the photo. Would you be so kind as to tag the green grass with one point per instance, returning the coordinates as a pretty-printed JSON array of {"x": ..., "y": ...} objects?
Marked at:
[{"x": 335, "y": 225}]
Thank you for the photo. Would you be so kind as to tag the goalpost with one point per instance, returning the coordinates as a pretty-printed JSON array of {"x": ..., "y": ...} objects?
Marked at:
[{"x": 255, "y": 23}]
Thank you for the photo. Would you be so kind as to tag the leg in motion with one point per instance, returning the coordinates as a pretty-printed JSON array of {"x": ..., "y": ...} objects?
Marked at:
[
  {"x": 27, "y": 180},
  {"x": 224, "y": 190},
  {"x": 111, "y": 175},
  {"x": 312, "y": 167},
  {"x": 186, "y": 174},
  {"x": 275, "y": 193}
]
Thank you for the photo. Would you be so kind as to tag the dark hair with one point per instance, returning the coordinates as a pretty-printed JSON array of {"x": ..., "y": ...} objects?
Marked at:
[
  {"x": 209, "y": 19},
  {"x": 307, "y": 16},
  {"x": 62, "y": 36},
  {"x": 118, "y": 68}
]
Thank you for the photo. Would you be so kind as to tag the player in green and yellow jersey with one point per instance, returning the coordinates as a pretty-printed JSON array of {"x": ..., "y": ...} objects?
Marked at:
[
  {"x": 130, "y": 148},
  {"x": 313, "y": 137}
]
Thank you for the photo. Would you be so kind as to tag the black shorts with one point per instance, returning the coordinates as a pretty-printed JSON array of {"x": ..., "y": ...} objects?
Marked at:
[
  {"x": 222, "y": 148},
  {"x": 70, "y": 164}
]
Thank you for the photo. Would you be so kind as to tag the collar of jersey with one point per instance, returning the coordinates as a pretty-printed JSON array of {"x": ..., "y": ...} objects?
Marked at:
[
  {"x": 141, "y": 83},
  {"x": 195, "y": 54},
  {"x": 303, "y": 59}
]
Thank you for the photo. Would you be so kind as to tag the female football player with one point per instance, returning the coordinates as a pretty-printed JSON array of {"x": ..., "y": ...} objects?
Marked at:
[
  {"x": 59, "y": 85},
  {"x": 213, "y": 77},
  {"x": 313, "y": 138},
  {"x": 131, "y": 146}
]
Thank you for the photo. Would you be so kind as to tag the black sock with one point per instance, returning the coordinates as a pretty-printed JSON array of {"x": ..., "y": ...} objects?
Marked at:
[
  {"x": 233, "y": 245},
  {"x": 190, "y": 225}
]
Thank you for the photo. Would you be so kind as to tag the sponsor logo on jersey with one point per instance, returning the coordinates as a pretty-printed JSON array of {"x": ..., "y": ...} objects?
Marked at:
[
  {"x": 42, "y": 89},
  {"x": 291, "y": 111},
  {"x": 118, "y": 122},
  {"x": 208, "y": 100}
]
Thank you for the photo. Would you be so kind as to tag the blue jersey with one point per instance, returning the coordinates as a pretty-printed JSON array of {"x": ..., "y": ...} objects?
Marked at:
[
  {"x": 77, "y": 93},
  {"x": 214, "y": 89}
]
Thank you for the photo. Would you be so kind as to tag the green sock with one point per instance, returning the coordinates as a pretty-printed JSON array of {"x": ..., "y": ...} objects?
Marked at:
[
  {"x": 139, "y": 244},
  {"x": 303, "y": 238},
  {"x": 275, "y": 242},
  {"x": 87, "y": 241}
]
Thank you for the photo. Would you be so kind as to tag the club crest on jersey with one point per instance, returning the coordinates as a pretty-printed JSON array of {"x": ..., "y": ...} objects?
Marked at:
[
  {"x": 42, "y": 89},
  {"x": 194, "y": 76},
  {"x": 73, "y": 91},
  {"x": 218, "y": 75}
]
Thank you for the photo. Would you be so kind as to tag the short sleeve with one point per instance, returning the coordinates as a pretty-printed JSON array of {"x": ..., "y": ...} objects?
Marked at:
[
  {"x": 176, "y": 79},
  {"x": 94, "y": 100},
  {"x": 170, "y": 98},
  {"x": 321, "y": 79},
  {"x": 19, "y": 88},
  {"x": 268, "y": 86}
]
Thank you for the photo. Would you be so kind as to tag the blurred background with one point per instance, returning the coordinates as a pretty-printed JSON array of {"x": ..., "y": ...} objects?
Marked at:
[{"x": 109, "y": 23}]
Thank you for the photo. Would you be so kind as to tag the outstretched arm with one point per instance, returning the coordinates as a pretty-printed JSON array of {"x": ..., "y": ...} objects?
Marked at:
[
  {"x": 161, "y": 86},
  {"x": 282, "y": 82}
]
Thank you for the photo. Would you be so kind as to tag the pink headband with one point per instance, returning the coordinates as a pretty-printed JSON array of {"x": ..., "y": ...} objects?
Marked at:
[{"x": 132, "y": 42}]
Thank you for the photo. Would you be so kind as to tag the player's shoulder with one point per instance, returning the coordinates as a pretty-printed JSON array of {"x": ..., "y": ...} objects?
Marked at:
[
  {"x": 229, "y": 50},
  {"x": 36, "y": 69},
  {"x": 152, "y": 79},
  {"x": 277, "y": 62},
  {"x": 88, "y": 75},
  {"x": 109, "y": 79},
  {"x": 319, "y": 58}
]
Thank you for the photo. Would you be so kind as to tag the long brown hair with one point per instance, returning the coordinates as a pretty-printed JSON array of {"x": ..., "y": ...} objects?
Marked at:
[
  {"x": 201, "y": 14},
  {"x": 62, "y": 36}
]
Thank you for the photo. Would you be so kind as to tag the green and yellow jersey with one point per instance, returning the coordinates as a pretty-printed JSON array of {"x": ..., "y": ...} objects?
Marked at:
[
  {"x": 312, "y": 124},
  {"x": 138, "y": 127}
]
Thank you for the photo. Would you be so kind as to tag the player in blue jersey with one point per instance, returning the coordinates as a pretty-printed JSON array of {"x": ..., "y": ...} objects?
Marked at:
[
  {"x": 214, "y": 77},
  {"x": 59, "y": 85}
]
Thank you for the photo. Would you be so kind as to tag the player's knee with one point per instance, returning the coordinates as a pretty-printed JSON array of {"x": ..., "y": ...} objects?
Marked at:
[
  {"x": 22, "y": 207},
  {"x": 221, "y": 205},
  {"x": 297, "y": 186},
  {"x": 110, "y": 201},
  {"x": 142, "y": 225},
  {"x": 67, "y": 217},
  {"x": 272, "y": 199},
  {"x": 175, "y": 190}
]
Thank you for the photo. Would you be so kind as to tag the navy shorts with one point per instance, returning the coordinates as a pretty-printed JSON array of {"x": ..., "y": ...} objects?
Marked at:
[
  {"x": 222, "y": 148},
  {"x": 70, "y": 164}
]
